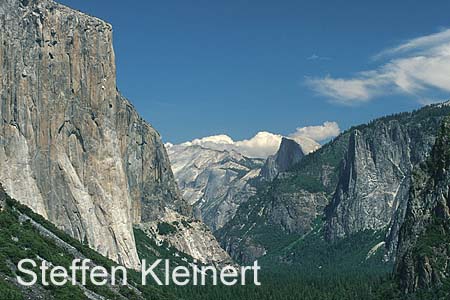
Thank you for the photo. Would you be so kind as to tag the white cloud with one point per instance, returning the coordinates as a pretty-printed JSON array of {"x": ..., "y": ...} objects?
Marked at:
[
  {"x": 219, "y": 142},
  {"x": 415, "y": 67},
  {"x": 318, "y": 133},
  {"x": 264, "y": 144},
  {"x": 421, "y": 43},
  {"x": 261, "y": 145},
  {"x": 317, "y": 57},
  {"x": 346, "y": 91}
]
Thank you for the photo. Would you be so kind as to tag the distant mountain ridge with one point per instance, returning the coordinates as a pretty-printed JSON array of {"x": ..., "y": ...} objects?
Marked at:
[
  {"x": 218, "y": 181},
  {"x": 357, "y": 182},
  {"x": 215, "y": 182}
]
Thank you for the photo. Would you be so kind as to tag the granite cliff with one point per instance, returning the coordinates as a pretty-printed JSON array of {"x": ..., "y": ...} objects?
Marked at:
[
  {"x": 376, "y": 172},
  {"x": 423, "y": 249},
  {"x": 71, "y": 146},
  {"x": 289, "y": 154}
]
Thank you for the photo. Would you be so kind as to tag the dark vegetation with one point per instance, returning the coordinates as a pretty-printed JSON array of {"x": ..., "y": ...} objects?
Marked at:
[
  {"x": 165, "y": 228},
  {"x": 19, "y": 240},
  {"x": 284, "y": 277},
  {"x": 309, "y": 268}
]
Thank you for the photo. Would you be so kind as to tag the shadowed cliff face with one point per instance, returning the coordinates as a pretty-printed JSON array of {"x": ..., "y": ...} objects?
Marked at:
[
  {"x": 71, "y": 147},
  {"x": 423, "y": 257},
  {"x": 287, "y": 156}
]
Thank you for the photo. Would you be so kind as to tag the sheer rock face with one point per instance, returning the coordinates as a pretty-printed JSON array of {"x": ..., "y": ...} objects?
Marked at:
[
  {"x": 423, "y": 256},
  {"x": 375, "y": 177},
  {"x": 287, "y": 156},
  {"x": 71, "y": 147}
]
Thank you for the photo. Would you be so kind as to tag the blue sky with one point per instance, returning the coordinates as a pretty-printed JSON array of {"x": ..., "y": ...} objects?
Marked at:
[{"x": 200, "y": 68}]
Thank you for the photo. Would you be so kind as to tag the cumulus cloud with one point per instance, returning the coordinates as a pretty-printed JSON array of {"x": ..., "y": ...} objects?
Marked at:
[
  {"x": 318, "y": 133},
  {"x": 261, "y": 145},
  {"x": 264, "y": 144},
  {"x": 217, "y": 142},
  {"x": 415, "y": 67}
]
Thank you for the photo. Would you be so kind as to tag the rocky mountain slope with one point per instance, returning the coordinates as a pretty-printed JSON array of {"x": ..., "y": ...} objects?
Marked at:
[
  {"x": 423, "y": 248},
  {"x": 71, "y": 146},
  {"x": 217, "y": 181},
  {"x": 357, "y": 182},
  {"x": 25, "y": 234},
  {"x": 214, "y": 181}
]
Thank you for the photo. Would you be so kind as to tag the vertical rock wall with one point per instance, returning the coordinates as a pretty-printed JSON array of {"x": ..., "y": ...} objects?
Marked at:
[{"x": 71, "y": 147}]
